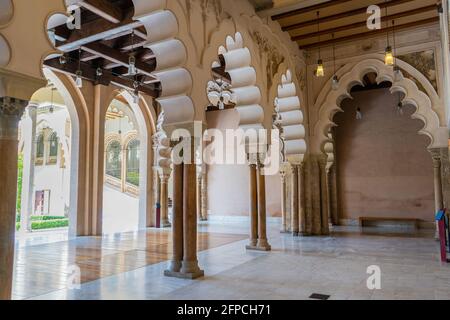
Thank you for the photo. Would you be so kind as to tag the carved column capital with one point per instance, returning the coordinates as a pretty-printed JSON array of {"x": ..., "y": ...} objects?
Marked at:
[
  {"x": 436, "y": 156},
  {"x": 11, "y": 110}
]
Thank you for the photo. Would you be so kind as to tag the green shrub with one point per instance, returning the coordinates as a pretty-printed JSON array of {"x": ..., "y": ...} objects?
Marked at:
[
  {"x": 17, "y": 226},
  {"x": 46, "y": 218},
  {"x": 49, "y": 224},
  {"x": 19, "y": 182}
]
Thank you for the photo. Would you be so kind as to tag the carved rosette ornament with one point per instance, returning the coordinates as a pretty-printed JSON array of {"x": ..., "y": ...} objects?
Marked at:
[{"x": 11, "y": 110}]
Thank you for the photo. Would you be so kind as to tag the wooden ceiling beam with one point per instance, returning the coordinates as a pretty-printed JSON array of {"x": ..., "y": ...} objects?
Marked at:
[
  {"x": 361, "y": 24},
  {"x": 308, "y": 9},
  {"x": 93, "y": 31},
  {"x": 153, "y": 88},
  {"x": 369, "y": 34},
  {"x": 338, "y": 16},
  {"x": 118, "y": 57},
  {"x": 104, "y": 9}
]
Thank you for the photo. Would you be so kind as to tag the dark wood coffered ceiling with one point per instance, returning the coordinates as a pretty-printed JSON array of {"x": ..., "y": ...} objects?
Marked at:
[
  {"x": 106, "y": 41},
  {"x": 346, "y": 20}
]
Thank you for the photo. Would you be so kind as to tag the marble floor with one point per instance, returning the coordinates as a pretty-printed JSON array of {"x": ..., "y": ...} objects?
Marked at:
[{"x": 296, "y": 268}]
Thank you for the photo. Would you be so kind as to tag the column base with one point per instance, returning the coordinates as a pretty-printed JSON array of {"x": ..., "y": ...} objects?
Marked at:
[
  {"x": 182, "y": 275},
  {"x": 203, "y": 219},
  {"x": 166, "y": 224},
  {"x": 259, "y": 247},
  {"x": 285, "y": 231},
  {"x": 303, "y": 234}
]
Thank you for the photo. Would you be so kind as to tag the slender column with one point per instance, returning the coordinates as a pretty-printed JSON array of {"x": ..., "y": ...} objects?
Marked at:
[
  {"x": 283, "y": 202},
  {"x": 301, "y": 199},
  {"x": 177, "y": 221},
  {"x": 164, "y": 200},
  {"x": 198, "y": 185},
  {"x": 334, "y": 195},
  {"x": 156, "y": 206},
  {"x": 295, "y": 200},
  {"x": 204, "y": 196},
  {"x": 328, "y": 190},
  {"x": 438, "y": 195},
  {"x": 29, "y": 158},
  {"x": 263, "y": 244},
  {"x": 10, "y": 113},
  {"x": 190, "y": 268},
  {"x": 325, "y": 228},
  {"x": 253, "y": 208}
]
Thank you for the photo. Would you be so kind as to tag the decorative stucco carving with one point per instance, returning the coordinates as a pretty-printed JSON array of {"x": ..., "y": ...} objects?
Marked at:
[{"x": 412, "y": 96}]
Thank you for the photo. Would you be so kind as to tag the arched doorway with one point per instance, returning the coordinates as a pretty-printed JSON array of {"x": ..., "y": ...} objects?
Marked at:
[
  {"x": 48, "y": 167},
  {"x": 123, "y": 156}
]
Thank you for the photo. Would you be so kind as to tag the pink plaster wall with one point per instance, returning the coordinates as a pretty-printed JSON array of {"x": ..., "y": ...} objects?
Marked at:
[
  {"x": 228, "y": 185},
  {"x": 384, "y": 168}
]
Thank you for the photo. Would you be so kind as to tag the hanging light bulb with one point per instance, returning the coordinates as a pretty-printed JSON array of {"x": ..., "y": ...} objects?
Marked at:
[
  {"x": 335, "y": 83},
  {"x": 320, "y": 71},
  {"x": 99, "y": 72},
  {"x": 62, "y": 60},
  {"x": 359, "y": 114},
  {"x": 335, "y": 79},
  {"x": 79, "y": 73},
  {"x": 389, "y": 56},
  {"x": 132, "y": 65},
  {"x": 388, "y": 53},
  {"x": 132, "y": 59},
  {"x": 78, "y": 80}
]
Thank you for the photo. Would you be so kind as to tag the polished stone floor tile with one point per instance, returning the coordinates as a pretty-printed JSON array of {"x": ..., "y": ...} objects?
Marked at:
[{"x": 295, "y": 269}]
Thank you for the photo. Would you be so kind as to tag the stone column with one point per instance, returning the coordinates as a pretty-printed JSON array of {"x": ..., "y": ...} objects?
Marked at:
[
  {"x": 295, "y": 199},
  {"x": 164, "y": 199},
  {"x": 438, "y": 195},
  {"x": 190, "y": 268},
  {"x": 156, "y": 187},
  {"x": 263, "y": 244},
  {"x": 10, "y": 112},
  {"x": 253, "y": 207},
  {"x": 334, "y": 195},
  {"x": 29, "y": 158},
  {"x": 177, "y": 222},
  {"x": 301, "y": 199},
  {"x": 325, "y": 228},
  {"x": 204, "y": 196},
  {"x": 198, "y": 185},
  {"x": 283, "y": 202}
]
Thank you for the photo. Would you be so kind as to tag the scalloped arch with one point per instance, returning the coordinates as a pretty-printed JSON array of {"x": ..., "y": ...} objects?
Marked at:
[
  {"x": 236, "y": 60},
  {"x": 421, "y": 101},
  {"x": 288, "y": 106}
]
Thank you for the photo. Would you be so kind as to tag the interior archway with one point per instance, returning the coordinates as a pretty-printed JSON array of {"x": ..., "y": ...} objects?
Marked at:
[{"x": 370, "y": 138}]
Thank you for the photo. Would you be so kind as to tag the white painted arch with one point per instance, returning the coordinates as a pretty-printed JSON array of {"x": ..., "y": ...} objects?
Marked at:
[
  {"x": 354, "y": 76},
  {"x": 236, "y": 60},
  {"x": 288, "y": 106}
]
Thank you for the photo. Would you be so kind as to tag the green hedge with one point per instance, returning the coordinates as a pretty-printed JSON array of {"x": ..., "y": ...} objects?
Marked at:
[
  {"x": 50, "y": 224},
  {"x": 42, "y": 218},
  {"x": 47, "y": 224}
]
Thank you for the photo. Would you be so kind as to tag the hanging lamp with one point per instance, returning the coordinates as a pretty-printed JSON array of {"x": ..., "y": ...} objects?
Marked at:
[{"x": 320, "y": 71}]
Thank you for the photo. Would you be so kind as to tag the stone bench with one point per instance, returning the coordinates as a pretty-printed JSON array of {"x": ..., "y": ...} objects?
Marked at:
[{"x": 371, "y": 221}]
